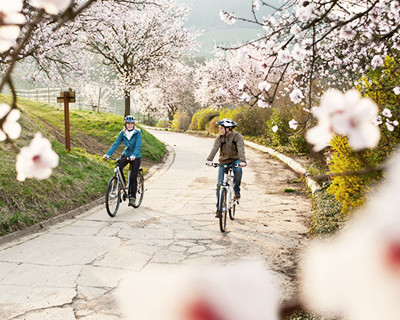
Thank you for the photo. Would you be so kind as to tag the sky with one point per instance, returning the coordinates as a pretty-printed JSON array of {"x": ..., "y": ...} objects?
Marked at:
[{"x": 205, "y": 16}]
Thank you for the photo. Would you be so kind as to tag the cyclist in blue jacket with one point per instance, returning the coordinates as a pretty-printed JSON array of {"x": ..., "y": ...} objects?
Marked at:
[{"x": 132, "y": 139}]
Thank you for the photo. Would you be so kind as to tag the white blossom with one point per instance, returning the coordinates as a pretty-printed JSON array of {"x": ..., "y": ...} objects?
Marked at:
[
  {"x": 10, "y": 15},
  {"x": 296, "y": 95},
  {"x": 263, "y": 104},
  {"x": 256, "y": 5},
  {"x": 345, "y": 114},
  {"x": 304, "y": 13},
  {"x": 298, "y": 53},
  {"x": 264, "y": 86},
  {"x": 387, "y": 113},
  {"x": 11, "y": 127},
  {"x": 293, "y": 124},
  {"x": 284, "y": 56},
  {"x": 227, "y": 18},
  {"x": 364, "y": 257},
  {"x": 245, "y": 97},
  {"x": 274, "y": 128},
  {"x": 51, "y": 6},
  {"x": 36, "y": 160},
  {"x": 295, "y": 29},
  {"x": 377, "y": 61},
  {"x": 396, "y": 90},
  {"x": 243, "y": 290},
  {"x": 377, "y": 120},
  {"x": 242, "y": 84}
]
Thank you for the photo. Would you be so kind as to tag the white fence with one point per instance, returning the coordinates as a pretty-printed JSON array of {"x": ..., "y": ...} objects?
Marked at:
[{"x": 49, "y": 95}]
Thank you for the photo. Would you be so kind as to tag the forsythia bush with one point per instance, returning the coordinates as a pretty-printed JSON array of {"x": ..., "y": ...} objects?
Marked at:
[
  {"x": 212, "y": 126},
  {"x": 201, "y": 118},
  {"x": 349, "y": 190},
  {"x": 181, "y": 121}
]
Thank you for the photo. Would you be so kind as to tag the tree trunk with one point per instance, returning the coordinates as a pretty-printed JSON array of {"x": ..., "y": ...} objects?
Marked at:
[{"x": 127, "y": 103}]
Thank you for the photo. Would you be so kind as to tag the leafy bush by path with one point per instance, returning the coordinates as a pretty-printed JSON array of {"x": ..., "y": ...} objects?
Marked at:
[
  {"x": 201, "y": 118},
  {"x": 181, "y": 121}
]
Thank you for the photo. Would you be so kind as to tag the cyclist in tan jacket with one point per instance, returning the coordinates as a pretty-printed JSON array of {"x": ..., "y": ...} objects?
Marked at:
[{"x": 231, "y": 151}]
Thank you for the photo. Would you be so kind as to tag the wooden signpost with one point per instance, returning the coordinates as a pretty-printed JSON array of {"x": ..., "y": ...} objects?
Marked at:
[{"x": 67, "y": 97}]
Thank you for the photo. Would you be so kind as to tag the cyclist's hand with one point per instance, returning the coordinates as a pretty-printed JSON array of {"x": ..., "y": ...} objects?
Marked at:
[
  {"x": 209, "y": 163},
  {"x": 132, "y": 158},
  {"x": 106, "y": 157},
  {"x": 242, "y": 164}
]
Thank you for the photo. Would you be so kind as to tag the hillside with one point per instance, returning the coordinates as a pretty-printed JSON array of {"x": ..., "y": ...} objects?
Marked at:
[{"x": 81, "y": 175}]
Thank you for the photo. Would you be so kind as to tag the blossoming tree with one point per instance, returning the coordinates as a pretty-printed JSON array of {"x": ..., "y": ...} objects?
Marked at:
[{"x": 132, "y": 42}]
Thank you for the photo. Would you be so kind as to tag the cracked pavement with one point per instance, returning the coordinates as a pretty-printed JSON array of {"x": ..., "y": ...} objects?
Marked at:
[{"x": 71, "y": 270}]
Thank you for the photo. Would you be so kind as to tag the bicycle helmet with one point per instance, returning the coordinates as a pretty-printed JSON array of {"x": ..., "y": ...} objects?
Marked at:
[
  {"x": 129, "y": 119},
  {"x": 227, "y": 123}
]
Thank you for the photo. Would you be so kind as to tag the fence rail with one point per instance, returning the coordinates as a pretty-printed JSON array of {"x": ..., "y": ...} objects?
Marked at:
[{"x": 49, "y": 95}]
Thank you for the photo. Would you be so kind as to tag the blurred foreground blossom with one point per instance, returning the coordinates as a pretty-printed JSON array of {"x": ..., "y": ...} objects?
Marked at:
[
  {"x": 37, "y": 160},
  {"x": 347, "y": 114},
  {"x": 356, "y": 275},
  {"x": 51, "y": 6},
  {"x": 10, "y": 17},
  {"x": 10, "y": 127},
  {"x": 243, "y": 291}
]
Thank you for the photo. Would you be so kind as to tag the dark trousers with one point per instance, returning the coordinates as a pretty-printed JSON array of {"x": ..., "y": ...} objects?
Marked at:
[{"x": 134, "y": 170}]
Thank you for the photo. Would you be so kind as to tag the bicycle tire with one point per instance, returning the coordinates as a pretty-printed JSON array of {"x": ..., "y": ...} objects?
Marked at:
[
  {"x": 140, "y": 190},
  {"x": 113, "y": 197},
  {"x": 224, "y": 210},
  {"x": 232, "y": 211}
]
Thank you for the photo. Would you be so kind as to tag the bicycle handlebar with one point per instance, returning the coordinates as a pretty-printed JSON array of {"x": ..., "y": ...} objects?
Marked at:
[{"x": 231, "y": 165}]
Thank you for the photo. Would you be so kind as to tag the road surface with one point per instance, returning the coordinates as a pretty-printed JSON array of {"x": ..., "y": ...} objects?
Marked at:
[{"x": 70, "y": 270}]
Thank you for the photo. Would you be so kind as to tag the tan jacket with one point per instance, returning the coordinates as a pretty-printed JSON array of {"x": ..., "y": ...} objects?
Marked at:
[{"x": 231, "y": 148}]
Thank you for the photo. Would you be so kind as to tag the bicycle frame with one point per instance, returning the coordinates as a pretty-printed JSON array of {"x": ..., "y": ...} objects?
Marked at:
[{"x": 227, "y": 183}]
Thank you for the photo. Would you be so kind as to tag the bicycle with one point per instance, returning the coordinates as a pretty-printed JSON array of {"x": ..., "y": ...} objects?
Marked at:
[
  {"x": 117, "y": 190},
  {"x": 227, "y": 203}
]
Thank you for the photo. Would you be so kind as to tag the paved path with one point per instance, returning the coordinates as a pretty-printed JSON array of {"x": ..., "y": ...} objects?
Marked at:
[{"x": 71, "y": 270}]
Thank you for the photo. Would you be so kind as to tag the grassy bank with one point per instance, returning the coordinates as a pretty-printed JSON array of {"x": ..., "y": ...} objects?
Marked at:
[{"x": 81, "y": 175}]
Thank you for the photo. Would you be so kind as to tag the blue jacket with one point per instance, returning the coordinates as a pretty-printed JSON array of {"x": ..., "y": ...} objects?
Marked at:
[{"x": 133, "y": 145}]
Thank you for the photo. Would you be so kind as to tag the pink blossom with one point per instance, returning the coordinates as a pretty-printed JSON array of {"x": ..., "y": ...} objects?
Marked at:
[
  {"x": 295, "y": 29},
  {"x": 377, "y": 61},
  {"x": 293, "y": 124},
  {"x": 304, "y": 13},
  {"x": 264, "y": 86},
  {"x": 284, "y": 56},
  {"x": 36, "y": 160},
  {"x": 364, "y": 257},
  {"x": 296, "y": 96},
  {"x": 227, "y": 18},
  {"x": 298, "y": 53},
  {"x": 11, "y": 127},
  {"x": 387, "y": 113},
  {"x": 243, "y": 290},
  {"x": 345, "y": 114},
  {"x": 256, "y": 5},
  {"x": 51, "y": 6}
]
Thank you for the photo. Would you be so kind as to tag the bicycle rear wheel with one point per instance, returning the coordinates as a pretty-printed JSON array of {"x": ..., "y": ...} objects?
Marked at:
[
  {"x": 223, "y": 207},
  {"x": 113, "y": 197},
  {"x": 140, "y": 189}
]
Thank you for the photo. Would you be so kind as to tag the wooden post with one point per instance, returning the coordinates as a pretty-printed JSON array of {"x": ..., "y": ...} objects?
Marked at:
[{"x": 66, "y": 120}]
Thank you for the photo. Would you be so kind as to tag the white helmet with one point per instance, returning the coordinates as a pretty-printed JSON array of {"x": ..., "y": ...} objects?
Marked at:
[{"x": 227, "y": 123}]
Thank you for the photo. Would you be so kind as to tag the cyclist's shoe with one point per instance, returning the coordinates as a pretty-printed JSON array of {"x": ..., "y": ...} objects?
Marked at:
[
  {"x": 131, "y": 201},
  {"x": 237, "y": 196},
  {"x": 218, "y": 214}
]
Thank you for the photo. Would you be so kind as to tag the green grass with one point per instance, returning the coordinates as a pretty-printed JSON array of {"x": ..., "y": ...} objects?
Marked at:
[{"x": 81, "y": 175}]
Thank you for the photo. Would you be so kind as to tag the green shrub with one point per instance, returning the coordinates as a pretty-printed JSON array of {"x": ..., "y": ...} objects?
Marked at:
[
  {"x": 252, "y": 121},
  {"x": 212, "y": 126},
  {"x": 162, "y": 124},
  {"x": 181, "y": 121},
  {"x": 299, "y": 143},
  {"x": 201, "y": 118},
  {"x": 280, "y": 137}
]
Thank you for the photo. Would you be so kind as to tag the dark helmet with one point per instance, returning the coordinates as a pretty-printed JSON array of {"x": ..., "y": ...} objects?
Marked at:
[
  {"x": 129, "y": 119},
  {"x": 227, "y": 123}
]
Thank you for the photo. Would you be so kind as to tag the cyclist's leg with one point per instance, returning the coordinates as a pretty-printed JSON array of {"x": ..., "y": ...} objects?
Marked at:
[
  {"x": 134, "y": 170},
  {"x": 219, "y": 181},
  {"x": 237, "y": 177},
  {"x": 122, "y": 164}
]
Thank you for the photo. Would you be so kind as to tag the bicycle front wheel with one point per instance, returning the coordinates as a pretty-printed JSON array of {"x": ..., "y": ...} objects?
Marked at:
[
  {"x": 140, "y": 190},
  {"x": 223, "y": 207},
  {"x": 113, "y": 197},
  {"x": 232, "y": 210}
]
